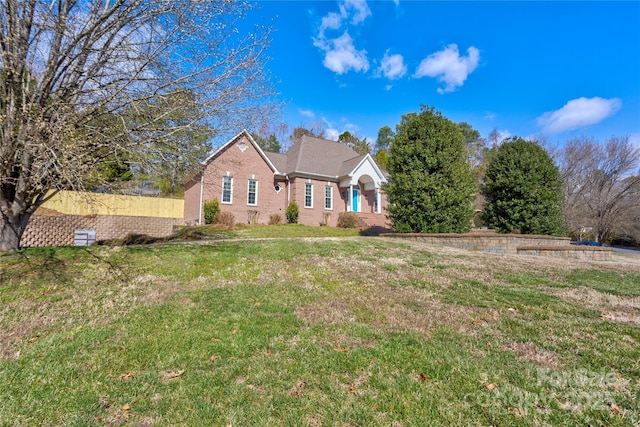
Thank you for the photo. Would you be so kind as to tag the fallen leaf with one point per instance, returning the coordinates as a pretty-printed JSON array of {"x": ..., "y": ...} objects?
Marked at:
[
  {"x": 614, "y": 408},
  {"x": 215, "y": 339},
  {"x": 268, "y": 354},
  {"x": 298, "y": 389},
  {"x": 170, "y": 375},
  {"x": 126, "y": 407},
  {"x": 564, "y": 405},
  {"x": 212, "y": 358},
  {"x": 341, "y": 349},
  {"x": 422, "y": 377},
  {"x": 491, "y": 386},
  {"x": 127, "y": 376},
  {"x": 256, "y": 304}
]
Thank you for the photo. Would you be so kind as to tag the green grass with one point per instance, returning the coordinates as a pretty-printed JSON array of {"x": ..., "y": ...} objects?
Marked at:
[{"x": 360, "y": 332}]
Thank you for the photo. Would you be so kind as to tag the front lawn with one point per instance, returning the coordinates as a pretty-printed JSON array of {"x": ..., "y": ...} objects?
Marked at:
[{"x": 336, "y": 331}]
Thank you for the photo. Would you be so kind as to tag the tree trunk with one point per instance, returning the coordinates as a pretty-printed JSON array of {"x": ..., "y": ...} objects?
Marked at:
[{"x": 11, "y": 230}]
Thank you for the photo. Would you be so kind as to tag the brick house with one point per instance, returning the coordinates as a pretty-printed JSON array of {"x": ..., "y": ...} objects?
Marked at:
[{"x": 323, "y": 177}]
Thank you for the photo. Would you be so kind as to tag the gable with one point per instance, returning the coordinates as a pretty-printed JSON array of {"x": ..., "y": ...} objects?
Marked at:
[
  {"x": 240, "y": 141},
  {"x": 366, "y": 171}
]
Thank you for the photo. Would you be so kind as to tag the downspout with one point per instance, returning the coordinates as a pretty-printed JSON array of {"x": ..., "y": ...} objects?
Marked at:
[
  {"x": 201, "y": 191},
  {"x": 288, "y": 190}
]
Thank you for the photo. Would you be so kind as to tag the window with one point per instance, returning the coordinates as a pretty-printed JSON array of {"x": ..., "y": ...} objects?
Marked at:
[
  {"x": 328, "y": 197},
  {"x": 308, "y": 195},
  {"x": 227, "y": 189},
  {"x": 252, "y": 192}
]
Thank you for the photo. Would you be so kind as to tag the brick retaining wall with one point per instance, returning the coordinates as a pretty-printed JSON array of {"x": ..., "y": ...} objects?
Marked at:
[{"x": 58, "y": 230}]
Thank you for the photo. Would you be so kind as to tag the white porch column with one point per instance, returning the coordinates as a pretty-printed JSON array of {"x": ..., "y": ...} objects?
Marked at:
[
  {"x": 350, "y": 199},
  {"x": 377, "y": 201}
]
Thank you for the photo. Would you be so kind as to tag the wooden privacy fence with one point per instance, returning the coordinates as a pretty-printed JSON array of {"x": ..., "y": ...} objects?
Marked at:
[
  {"x": 79, "y": 203},
  {"x": 102, "y": 216}
]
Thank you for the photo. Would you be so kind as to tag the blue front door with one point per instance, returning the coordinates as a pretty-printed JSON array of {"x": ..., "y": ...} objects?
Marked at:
[{"x": 355, "y": 199}]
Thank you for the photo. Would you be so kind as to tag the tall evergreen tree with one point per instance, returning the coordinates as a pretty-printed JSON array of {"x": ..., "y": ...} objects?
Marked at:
[
  {"x": 431, "y": 186},
  {"x": 523, "y": 190}
]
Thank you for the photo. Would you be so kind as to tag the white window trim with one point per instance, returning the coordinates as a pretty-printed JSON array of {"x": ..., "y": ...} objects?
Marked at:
[
  {"x": 305, "y": 195},
  {"x": 230, "y": 202},
  {"x": 248, "y": 187},
  {"x": 330, "y": 187}
]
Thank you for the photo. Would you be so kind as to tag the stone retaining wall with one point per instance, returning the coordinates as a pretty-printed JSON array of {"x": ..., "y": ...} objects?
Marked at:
[
  {"x": 58, "y": 230},
  {"x": 524, "y": 244},
  {"x": 579, "y": 252},
  {"x": 485, "y": 241}
]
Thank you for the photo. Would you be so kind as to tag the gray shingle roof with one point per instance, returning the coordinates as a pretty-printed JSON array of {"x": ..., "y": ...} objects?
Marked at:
[
  {"x": 320, "y": 157},
  {"x": 279, "y": 160}
]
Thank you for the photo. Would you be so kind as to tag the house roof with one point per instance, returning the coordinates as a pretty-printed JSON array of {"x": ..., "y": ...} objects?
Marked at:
[
  {"x": 309, "y": 156},
  {"x": 320, "y": 157},
  {"x": 279, "y": 160}
]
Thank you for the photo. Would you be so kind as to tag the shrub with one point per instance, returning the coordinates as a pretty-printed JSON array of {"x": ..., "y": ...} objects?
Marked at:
[
  {"x": 275, "y": 219},
  {"x": 224, "y": 218},
  {"x": 347, "y": 220},
  {"x": 292, "y": 213},
  {"x": 431, "y": 186},
  {"x": 325, "y": 218},
  {"x": 252, "y": 216},
  {"x": 211, "y": 208},
  {"x": 523, "y": 190}
]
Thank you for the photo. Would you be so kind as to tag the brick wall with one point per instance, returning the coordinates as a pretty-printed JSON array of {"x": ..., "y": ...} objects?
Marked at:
[
  {"x": 242, "y": 162},
  {"x": 58, "y": 230}
]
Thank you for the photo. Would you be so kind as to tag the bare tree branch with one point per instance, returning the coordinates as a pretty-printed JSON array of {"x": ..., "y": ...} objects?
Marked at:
[
  {"x": 68, "y": 67},
  {"x": 601, "y": 185}
]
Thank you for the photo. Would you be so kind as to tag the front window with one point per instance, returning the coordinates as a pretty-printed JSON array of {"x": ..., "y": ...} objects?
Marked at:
[
  {"x": 252, "y": 192},
  {"x": 376, "y": 200},
  {"x": 328, "y": 197},
  {"x": 227, "y": 189},
  {"x": 308, "y": 195}
]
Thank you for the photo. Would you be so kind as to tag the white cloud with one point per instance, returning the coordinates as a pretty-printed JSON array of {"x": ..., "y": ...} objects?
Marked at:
[
  {"x": 332, "y": 134},
  {"x": 340, "y": 53},
  {"x": 388, "y": 87},
  {"x": 332, "y": 21},
  {"x": 634, "y": 139},
  {"x": 489, "y": 116},
  {"x": 307, "y": 113},
  {"x": 360, "y": 10},
  {"x": 449, "y": 67},
  {"x": 342, "y": 56},
  {"x": 392, "y": 66},
  {"x": 502, "y": 135},
  {"x": 579, "y": 113}
]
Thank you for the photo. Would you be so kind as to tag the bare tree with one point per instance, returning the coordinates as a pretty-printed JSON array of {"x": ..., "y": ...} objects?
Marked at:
[
  {"x": 70, "y": 67},
  {"x": 601, "y": 185}
]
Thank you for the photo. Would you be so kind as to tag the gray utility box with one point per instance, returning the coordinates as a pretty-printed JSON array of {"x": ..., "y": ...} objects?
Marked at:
[{"x": 84, "y": 237}]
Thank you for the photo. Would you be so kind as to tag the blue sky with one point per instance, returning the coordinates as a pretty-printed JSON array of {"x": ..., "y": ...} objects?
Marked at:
[{"x": 562, "y": 69}]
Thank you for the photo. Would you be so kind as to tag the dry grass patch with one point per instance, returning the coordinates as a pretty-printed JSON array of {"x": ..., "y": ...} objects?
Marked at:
[
  {"x": 532, "y": 353},
  {"x": 614, "y": 308}
]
